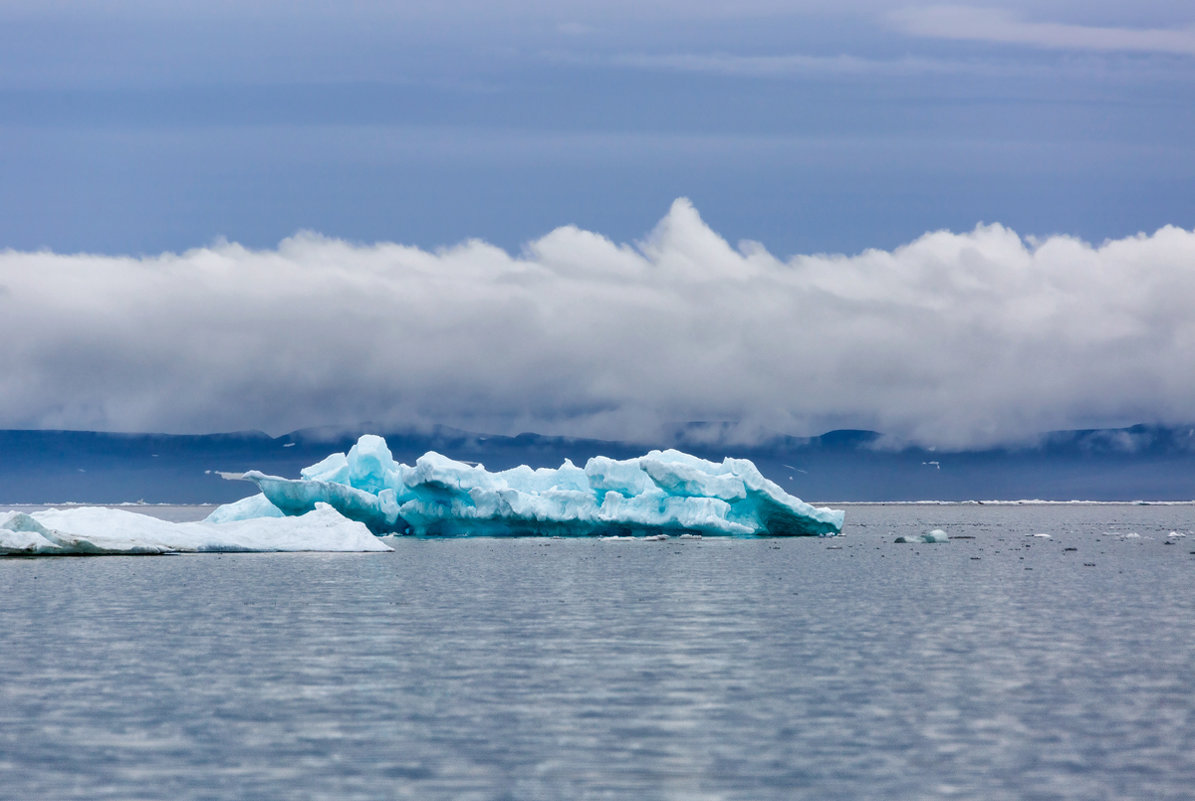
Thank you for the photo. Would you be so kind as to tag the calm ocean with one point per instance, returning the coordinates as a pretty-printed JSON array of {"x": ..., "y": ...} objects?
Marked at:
[{"x": 996, "y": 666}]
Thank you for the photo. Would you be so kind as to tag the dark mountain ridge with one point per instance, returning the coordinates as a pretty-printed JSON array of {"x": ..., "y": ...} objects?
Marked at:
[{"x": 1137, "y": 463}]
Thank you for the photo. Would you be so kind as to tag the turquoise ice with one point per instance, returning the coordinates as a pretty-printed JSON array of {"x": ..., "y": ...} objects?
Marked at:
[{"x": 662, "y": 492}]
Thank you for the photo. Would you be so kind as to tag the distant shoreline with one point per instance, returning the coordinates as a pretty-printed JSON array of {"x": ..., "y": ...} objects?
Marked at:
[{"x": 1140, "y": 464}]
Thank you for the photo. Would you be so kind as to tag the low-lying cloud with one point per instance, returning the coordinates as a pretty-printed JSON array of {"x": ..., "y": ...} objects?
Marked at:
[{"x": 951, "y": 340}]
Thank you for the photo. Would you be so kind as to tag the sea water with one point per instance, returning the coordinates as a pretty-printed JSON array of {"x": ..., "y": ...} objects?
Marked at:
[{"x": 999, "y": 665}]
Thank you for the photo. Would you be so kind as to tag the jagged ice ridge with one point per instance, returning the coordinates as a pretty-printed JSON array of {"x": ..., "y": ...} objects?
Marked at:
[{"x": 660, "y": 492}]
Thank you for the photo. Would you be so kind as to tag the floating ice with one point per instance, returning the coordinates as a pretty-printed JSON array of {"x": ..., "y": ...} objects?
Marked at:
[
  {"x": 98, "y": 530},
  {"x": 936, "y": 535},
  {"x": 663, "y": 492},
  {"x": 254, "y": 506}
]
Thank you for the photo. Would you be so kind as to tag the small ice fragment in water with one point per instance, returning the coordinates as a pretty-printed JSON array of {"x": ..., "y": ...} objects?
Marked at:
[{"x": 934, "y": 535}]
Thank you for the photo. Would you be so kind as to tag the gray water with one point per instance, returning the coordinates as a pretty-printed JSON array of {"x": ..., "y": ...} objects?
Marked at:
[{"x": 998, "y": 667}]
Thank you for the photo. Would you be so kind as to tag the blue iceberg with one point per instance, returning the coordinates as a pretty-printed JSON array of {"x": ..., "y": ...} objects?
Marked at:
[{"x": 662, "y": 492}]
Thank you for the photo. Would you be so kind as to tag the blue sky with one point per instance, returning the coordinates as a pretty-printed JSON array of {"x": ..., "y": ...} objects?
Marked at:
[
  {"x": 134, "y": 129},
  {"x": 138, "y": 127}
]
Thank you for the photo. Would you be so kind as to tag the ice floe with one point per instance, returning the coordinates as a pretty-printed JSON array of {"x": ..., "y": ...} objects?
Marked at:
[{"x": 101, "y": 530}]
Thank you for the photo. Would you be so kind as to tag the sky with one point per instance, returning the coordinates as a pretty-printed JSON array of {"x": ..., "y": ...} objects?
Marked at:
[{"x": 957, "y": 224}]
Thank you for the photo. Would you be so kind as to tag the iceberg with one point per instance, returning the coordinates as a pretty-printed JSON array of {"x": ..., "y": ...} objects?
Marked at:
[
  {"x": 100, "y": 530},
  {"x": 358, "y": 501},
  {"x": 662, "y": 492}
]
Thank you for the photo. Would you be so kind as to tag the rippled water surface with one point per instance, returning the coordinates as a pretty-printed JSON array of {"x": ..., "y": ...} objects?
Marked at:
[{"x": 996, "y": 666}]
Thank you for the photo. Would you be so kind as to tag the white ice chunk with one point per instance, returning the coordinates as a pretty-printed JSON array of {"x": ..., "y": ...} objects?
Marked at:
[
  {"x": 245, "y": 509},
  {"x": 679, "y": 478},
  {"x": 625, "y": 478},
  {"x": 934, "y": 535},
  {"x": 99, "y": 530},
  {"x": 334, "y": 467}
]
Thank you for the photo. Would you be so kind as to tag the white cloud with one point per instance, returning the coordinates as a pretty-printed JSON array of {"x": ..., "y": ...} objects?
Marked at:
[
  {"x": 952, "y": 339},
  {"x": 1002, "y": 26}
]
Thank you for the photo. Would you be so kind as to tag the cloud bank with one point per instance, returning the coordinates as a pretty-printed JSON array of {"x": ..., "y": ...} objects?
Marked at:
[{"x": 955, "y": 339}]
